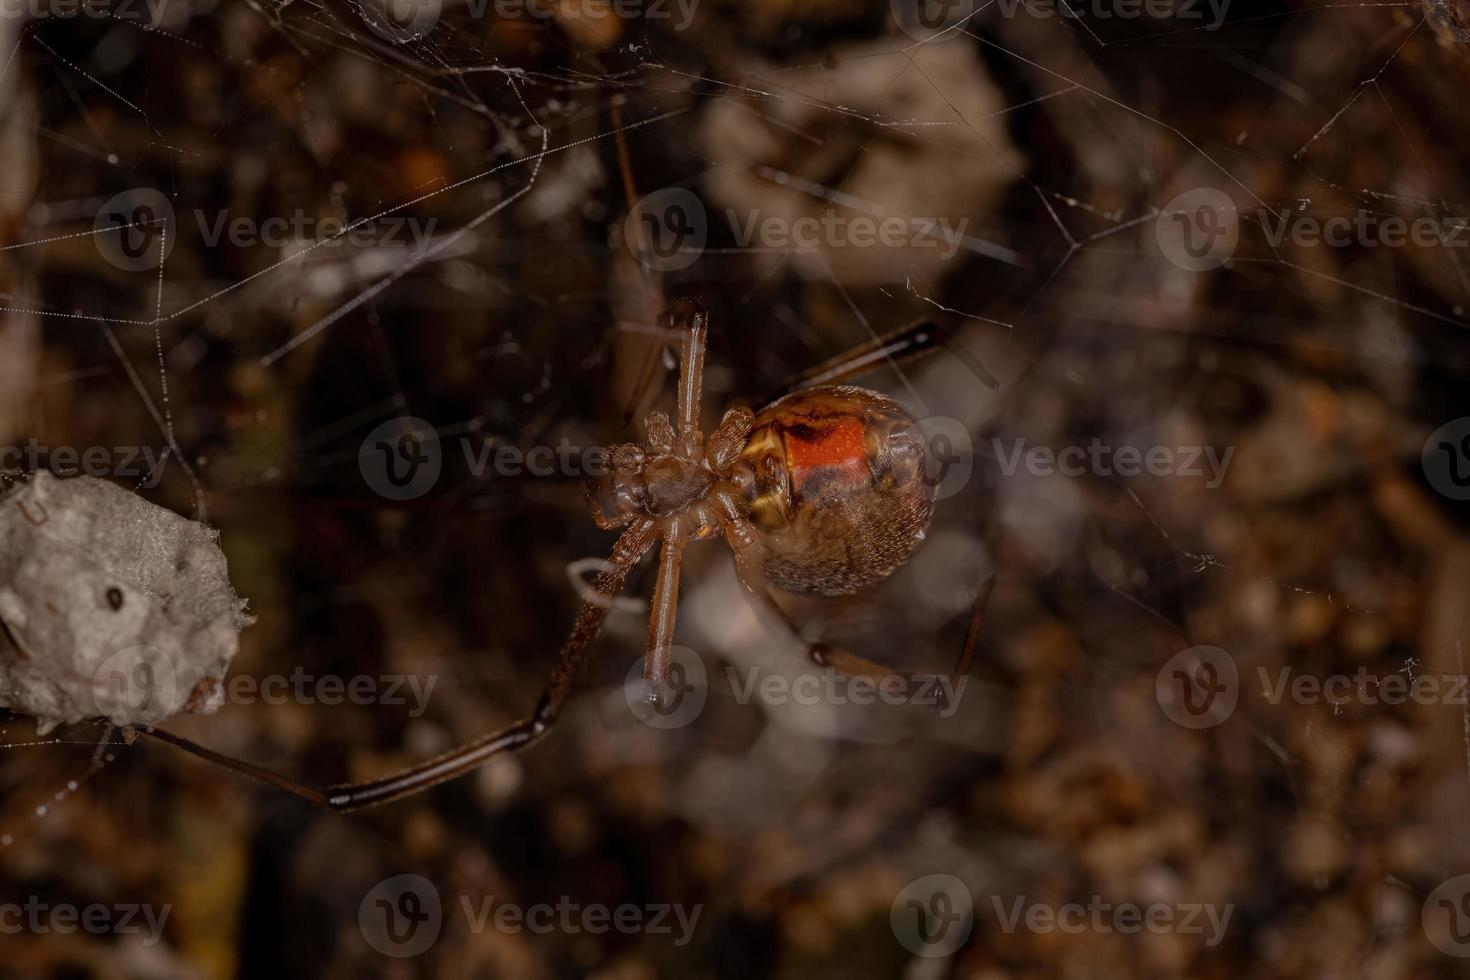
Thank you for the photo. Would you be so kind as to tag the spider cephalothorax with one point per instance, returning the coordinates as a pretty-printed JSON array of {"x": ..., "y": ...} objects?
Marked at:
[{"x": 669, "y": 478}]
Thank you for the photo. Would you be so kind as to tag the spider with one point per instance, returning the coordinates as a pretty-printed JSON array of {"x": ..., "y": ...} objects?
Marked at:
[{"x": 823, "y": 491}]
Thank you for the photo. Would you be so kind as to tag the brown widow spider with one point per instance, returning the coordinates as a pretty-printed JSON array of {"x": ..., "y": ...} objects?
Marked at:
[{"x": 823, "y": 491}]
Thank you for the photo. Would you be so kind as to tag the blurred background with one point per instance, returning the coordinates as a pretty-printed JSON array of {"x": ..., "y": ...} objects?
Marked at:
[{"x": 1190, "y": 282}]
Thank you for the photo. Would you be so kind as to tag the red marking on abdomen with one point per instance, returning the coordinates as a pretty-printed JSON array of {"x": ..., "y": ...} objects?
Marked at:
[{"x": 835, "y": 449}]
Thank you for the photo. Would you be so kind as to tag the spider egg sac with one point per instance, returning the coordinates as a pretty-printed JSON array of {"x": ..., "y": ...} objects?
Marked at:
[{"x": 110, "y": 606}]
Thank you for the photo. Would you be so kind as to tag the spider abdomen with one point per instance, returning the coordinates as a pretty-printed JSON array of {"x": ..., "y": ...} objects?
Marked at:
[{"x": 839, "y": 492}]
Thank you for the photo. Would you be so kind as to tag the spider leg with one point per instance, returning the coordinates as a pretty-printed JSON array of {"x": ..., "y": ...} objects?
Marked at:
[
  {"x": 665, "y": 606},
  {"x": 676, "y": 530},
  {"x": 746, "y": 549},
  {"x": 692, "y": 315},
  {"x": 972, "y": 632},
  {"x": 633, "y": 544}
]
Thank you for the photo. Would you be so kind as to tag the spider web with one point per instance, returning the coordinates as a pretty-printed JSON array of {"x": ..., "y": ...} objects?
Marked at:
[{"x": 1063, "y": 291}]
